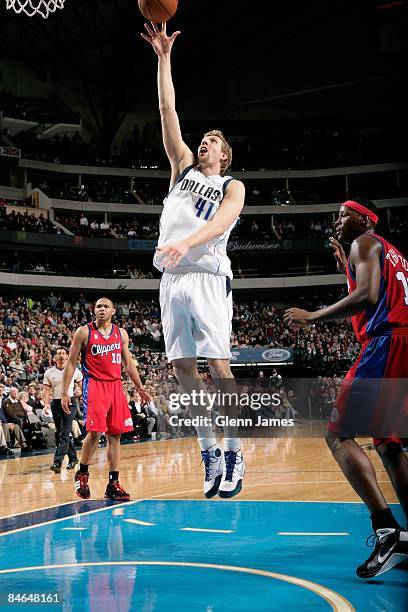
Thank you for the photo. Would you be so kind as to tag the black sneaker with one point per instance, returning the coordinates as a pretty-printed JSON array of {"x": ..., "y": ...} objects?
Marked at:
[
  {"x": 81, "y": 485},
  {"x": 56, "y": 467},
  {"x": 115, "y": 491},
  {"x": 390, "y": 548},
  {"x": 72, "y": 464}
]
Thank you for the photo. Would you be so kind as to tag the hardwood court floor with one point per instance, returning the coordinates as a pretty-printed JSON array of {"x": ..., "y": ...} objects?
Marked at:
[{"x": 295, "y": 469}]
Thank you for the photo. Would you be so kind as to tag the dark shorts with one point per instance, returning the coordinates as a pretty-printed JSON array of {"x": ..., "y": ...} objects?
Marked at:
[{"x": 373, "y": 398}]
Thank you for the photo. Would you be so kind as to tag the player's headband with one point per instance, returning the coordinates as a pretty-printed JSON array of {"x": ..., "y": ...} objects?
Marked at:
[{"x": 361, "y": 209}]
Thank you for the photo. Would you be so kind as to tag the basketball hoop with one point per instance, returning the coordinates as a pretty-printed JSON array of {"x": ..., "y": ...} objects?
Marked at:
[{"x": 35, "y": 7}]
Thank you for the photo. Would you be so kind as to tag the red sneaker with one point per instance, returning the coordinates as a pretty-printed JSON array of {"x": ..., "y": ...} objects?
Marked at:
[
  {"x": 81, "y": 485},
  {"x": 115, "y": 491}
]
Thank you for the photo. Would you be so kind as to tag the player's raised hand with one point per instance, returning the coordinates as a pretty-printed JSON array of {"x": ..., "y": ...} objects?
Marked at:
[
  {"x": 157, "y": 37},
  {"x": 339, "y": 254},
  {"x": 297, "y": 315}
]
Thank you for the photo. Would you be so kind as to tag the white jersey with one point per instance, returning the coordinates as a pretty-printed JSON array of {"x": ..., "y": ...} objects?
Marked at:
[
  {"x": 192, "y": 202},
  {"x": 53, "y": 379}
]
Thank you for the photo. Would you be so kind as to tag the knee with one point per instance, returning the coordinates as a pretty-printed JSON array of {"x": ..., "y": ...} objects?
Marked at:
[
  {"x": 333, "y": 442},
  {"x": 184, "y": 369},
  {"x": 388, "y": 451},
  {"x": 220, "y": 368},
  {"x": 94, "y": 435}
]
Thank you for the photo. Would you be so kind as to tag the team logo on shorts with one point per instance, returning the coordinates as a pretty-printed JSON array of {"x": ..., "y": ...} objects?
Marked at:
[
  {"x": 334, "y": 415},
  {"x": 128, "y": 422}
]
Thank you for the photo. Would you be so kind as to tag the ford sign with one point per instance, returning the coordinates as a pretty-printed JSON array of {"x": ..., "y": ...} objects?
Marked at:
[{"x": 276, "y": 354}]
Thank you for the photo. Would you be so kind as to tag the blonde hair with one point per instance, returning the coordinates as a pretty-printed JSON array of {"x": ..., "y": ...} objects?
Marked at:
[{"x": 225, "y": 163}]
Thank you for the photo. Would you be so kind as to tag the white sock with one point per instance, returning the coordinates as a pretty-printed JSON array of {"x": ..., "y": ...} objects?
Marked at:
[
  {"x": 232, "y": 444},
  {"x": 206, "y": 443}
]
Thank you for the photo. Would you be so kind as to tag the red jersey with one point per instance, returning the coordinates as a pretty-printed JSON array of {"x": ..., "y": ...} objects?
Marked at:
[
  {"x": 102, "y": 357},
  {"x": 391, "y": 310}
]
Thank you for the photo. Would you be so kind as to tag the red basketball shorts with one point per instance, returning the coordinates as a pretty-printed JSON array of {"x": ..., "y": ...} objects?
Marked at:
[
  {"x": 373, "y": 397},
  {"x": 105, "y": 406}
]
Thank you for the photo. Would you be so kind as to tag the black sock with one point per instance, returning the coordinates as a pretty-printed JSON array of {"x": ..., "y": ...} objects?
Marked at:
[
  {"x": 83, "y": 468},
  {"x": 381, "y": 519},
  {"x": 113, "y": 476}
]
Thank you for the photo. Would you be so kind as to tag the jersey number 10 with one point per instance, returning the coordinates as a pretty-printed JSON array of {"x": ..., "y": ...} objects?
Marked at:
[{"x": 116, "y": 358}]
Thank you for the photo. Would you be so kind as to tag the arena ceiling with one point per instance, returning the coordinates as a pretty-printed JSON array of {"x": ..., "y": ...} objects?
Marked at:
[{"x": 234, "y": 55}]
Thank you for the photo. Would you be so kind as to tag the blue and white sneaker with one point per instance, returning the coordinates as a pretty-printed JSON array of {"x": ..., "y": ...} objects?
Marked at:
[
  {"x": 213, "y": 460},
  {"x": 231, "y": 482}
]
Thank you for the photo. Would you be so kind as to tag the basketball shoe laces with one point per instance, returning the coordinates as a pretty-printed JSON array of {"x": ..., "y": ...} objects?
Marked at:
[
  {"x": 373, "y": 540},
  {"x": 119, "y": 487},
  {"x": 208, "y": 459},
  {"x": 230, "y": 464}
]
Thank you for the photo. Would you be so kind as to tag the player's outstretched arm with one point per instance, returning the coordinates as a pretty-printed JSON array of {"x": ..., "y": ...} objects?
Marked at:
[
  {"x": 228, "y": 212},
  {"x": 177, "y": 151},
  {"x": 131, "y": 369},
  {"x": 365, "y": 257},
  {"x": 79, "y": 339}
]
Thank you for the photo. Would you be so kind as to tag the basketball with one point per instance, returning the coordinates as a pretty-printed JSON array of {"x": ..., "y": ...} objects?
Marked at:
[{"x": 158, "y": 11}]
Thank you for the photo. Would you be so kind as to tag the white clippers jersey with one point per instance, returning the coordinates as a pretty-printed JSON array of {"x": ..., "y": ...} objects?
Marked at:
[{"x": 192, "y": 202}]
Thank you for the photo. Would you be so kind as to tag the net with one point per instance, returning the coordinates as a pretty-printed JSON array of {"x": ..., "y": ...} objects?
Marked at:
[{"x": 35, "y": 7}]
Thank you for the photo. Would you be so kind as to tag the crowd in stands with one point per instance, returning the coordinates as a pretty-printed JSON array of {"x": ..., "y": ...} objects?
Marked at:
[
  {"x": 23, "y": 262},
  {"x": 26, "y": 222},
  {"x": 34, "y": 108},
  {"x": 101, "y": 191},
  {"x": 257, "y": 145},
  {"x": 31, "y": 330},
  {"x": 135, "y": 227},
  {"x": 264, "y": 227},
  {"x": 147, "y": 228},
  {"x": 258, "y": 228}
]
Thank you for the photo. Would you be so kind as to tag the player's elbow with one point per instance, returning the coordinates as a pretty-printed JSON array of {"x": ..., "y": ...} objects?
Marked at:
[
  {"x": 366, "y": 296},
  {"x": 371, "y": 296}
]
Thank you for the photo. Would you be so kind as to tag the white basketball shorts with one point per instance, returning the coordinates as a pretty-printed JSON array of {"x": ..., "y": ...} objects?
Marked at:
[{"x": 196, "y": 312}]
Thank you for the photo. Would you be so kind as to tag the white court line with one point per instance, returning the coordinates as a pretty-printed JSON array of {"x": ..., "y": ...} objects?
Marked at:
[
  {"x": 136, "y": 522},
  {"x": 118, "y": 512},
  {"x": 311, "y": 533},
  {"x": 207, "y": 530},
  {"x": 74, "y": 528}
]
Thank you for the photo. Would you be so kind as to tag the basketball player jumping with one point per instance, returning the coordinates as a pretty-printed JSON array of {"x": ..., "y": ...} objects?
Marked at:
[
  {"x": 103, "y": 347},
  {"x": 200, "y": 210},
  {"x": 377, "y": 276}
]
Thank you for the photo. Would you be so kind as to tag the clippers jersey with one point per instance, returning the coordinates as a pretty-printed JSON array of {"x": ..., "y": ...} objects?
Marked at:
[
  {"x": 102, "y": 357},
  {"x": 191, "y": 203},
  {"x": 391, "y": 310}
]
